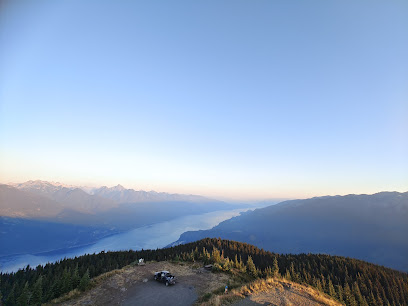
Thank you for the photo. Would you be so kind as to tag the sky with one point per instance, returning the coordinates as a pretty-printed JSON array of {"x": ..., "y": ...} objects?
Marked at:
[{"x": 229, "y": 99}]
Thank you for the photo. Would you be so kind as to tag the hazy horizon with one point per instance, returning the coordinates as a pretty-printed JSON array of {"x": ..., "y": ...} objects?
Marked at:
[
  {"x": 233, "y": 100},
  {"x": 248, "y": 200}
]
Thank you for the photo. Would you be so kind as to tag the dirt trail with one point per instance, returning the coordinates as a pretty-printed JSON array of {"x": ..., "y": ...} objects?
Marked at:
[{"x": 136, "y": 286}]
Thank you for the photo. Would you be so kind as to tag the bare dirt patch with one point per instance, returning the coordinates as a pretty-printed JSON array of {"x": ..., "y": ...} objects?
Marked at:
[
  {"x": 136, "y": 286},
  {"x": 282, "y": 292}
]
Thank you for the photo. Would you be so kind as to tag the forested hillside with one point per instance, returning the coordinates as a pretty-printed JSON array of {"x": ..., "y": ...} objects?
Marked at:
[
  {"x": 368, "y": 227},
  {"x": 348, "y": 280}
]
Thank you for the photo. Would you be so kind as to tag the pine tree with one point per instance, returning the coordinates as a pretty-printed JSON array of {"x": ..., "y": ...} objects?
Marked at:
[
  {"x": 66, "y": 281},
  {"x": 225, "y": 264},
  {"x": 371, "y": 300},
  {"x": 56, "y": 288},
  {"x": 236, "y": 263},
  {"x": 85, "y": 281},
  {"x": 275, "y": 267},
  {"x": 319, "y": 285},
  {"x": 331, "y": 290},
  {"x": 268, "y": 272},
  {"x": 348, "y": 296},
  {"x": 357, "y": 294},
  {"x": 36, "y": 298},
  {"x": 24, "y": 298},
  {"x": 251, "y": 269},
  {"x": 75, "y": 277},
  {"x": 287, "y": 275},
  {"x": 379, "y": 300},
  {"x": 206, "y": 256},
  {"x": 340, "y": 293},
  {"x": 11, "y": 299},
  {"x": 295, "y": 276},
  {"x": 324, "y": 284},
  {"x": 215, "y": 256}
]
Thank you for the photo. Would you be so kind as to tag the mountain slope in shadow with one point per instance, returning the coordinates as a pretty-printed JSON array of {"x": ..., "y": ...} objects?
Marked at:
[{"x": 367, "y": 227}]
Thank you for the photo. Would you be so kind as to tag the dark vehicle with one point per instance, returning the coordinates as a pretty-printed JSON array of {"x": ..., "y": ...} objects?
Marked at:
[{"x": 165, "y": 277}]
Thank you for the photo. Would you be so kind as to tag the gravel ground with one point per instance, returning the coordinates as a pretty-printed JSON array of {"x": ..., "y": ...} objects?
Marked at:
[
  {"x": 154, "y": 293},
  {"x": 136, "y": 286}
]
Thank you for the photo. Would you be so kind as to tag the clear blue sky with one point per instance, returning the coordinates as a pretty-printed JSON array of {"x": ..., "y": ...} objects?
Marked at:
[{"x": 238, "y": 99}]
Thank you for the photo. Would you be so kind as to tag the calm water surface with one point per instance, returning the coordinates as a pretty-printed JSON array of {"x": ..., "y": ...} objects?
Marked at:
[{"x": 153, "y": 236}]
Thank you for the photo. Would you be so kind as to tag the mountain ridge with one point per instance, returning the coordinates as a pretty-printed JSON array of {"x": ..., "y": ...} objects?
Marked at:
[
  {"x": 124, "y": 195},
  {"x": 368, "y": 227},
  {"x": 118, "y": 193}
]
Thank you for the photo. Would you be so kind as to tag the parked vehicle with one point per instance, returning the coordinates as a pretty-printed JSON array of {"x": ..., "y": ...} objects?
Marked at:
[
  {"x": 141, "y": 262},
  {"x": 165, "y": 277}
]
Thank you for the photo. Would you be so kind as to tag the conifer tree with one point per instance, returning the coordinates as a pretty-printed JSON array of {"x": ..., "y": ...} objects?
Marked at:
[
  {"x": 56, "y": 288},
  {"x": 357, "y": 294},
  {"x": 294, "y": 275},
  {"x": 66, "y": 281},
  {"x": 371, "y": 300},
  {"x": 206, "y": 256},
  {"x": 324, "y": 284},
  {"x": 348, "y": 296},
  {"x": 379, "y": 300},
  {"x": 319, "y": 285},
  {"x": 251, "y": 269},
  {"x": 236, "y": 263},
  {"x": 331, "y": 290},
  {"x": 36, "y": 298},
  {"x": 24, "y": 298},
  {"x": 75, "y": 277},
  {"x": 85, "y": 280},
  {"x": 215, "y": 256},
  {"x": 275, "y": 267},
  {"x": 11, "y": 299},
  {"x": 340, "y": 293},
  {"x": 268, "y": 272},
  {"x": 287, "y": 275}
]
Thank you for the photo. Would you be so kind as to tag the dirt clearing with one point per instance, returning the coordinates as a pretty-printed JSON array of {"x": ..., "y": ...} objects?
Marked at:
[{"x": 136, "y": 286}]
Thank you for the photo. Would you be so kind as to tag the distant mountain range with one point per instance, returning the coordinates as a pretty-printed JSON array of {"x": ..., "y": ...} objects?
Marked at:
[
  {"x": 68, "y": 211},
  {"x": 68, "y": 197},
  {"x": 120, "y": 194},
  {"x": 369, "y": 227},
  {"x": 112, "y": 207}
]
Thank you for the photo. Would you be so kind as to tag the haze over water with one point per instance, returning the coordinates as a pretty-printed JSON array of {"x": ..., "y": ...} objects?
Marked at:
[{"x": 148, "y": 237}]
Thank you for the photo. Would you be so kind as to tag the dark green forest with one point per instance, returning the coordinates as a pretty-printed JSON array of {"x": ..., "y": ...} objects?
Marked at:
[{"x": 351, "y": 281}]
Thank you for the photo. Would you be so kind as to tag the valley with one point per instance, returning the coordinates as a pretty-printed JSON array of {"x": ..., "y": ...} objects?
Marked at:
[
  {"x": 152, "y": 236},
  {"x": 44, "y": 222}
]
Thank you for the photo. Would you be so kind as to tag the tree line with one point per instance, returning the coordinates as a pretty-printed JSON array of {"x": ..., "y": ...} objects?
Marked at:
[{"x": 350, "y": 281}]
